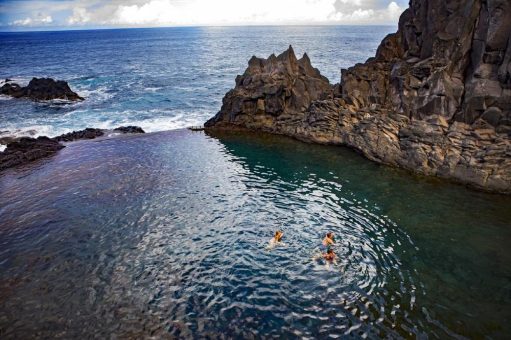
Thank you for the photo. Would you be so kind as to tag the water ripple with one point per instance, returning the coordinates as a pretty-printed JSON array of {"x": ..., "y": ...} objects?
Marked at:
[{"x": 165, "y": 235}]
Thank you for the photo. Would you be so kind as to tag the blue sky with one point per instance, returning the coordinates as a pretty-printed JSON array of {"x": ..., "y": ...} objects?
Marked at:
[{"x": 81, "y": 14}]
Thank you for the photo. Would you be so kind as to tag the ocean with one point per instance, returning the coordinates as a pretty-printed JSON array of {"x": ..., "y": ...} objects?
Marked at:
[{"x": 158, "y": 78}]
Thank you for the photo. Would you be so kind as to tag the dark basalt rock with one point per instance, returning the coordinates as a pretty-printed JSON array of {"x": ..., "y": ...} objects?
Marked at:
[
  {"x": 26, "y": 150},
  {"x": 41, "y": 89},
  {"x": 436, "y": 98},
  {"x": 88, "y": 133},
  {"x": 272, "y": 90},
  {"x": 129, "y": 129}
]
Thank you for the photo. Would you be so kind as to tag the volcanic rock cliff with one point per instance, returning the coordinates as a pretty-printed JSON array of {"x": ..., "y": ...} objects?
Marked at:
[{"x": 436, "y": 98}]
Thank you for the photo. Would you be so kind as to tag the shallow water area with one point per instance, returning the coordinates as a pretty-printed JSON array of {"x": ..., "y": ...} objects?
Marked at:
[{"x": 166, "y": 234}]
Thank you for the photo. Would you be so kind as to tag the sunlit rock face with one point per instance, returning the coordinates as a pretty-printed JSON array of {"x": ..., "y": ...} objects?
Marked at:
[{"x": 436, "y": 98}]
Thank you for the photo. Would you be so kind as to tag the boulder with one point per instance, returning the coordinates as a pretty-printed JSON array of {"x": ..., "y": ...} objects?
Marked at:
[{"x": 41, "y": 89}]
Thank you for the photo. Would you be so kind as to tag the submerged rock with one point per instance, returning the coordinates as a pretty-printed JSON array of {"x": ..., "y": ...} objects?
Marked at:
[
  {"x": 41, "y": 89},
  {"x": 26, "y": 150},
  {"x": 436, "y": 98}
]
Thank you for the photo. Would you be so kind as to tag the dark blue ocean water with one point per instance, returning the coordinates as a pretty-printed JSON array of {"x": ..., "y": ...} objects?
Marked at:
[{"x": 159, "y": 79}]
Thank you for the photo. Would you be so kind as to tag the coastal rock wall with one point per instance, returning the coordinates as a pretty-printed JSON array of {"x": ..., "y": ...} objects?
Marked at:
[{"x": 436, "y": 98}]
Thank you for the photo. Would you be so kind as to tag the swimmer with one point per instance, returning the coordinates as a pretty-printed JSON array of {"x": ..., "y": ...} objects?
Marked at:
[
  {"x": 327, "y": 242},
  {"x": 276, "y": 239},
  {"x": 329, "y": 256},
  {"x": 330, "y": 259}
]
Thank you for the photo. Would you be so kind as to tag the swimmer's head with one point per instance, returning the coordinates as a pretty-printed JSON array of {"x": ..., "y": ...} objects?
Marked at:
[
  {"x": 330, "y": 235},
  {"x": 278, "y": 235}
]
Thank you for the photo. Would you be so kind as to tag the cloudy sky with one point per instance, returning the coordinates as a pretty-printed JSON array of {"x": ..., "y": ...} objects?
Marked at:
[{"x": 80, "y": 14}]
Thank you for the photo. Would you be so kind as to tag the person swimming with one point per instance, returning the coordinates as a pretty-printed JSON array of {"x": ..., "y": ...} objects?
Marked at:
[
  {"x": 329, "y": 255},
  {"x": 276, "y": 239},
  {"x": 327, "y": 242}
]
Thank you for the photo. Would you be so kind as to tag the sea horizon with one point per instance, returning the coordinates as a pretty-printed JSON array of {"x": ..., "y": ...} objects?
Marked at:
[{"x": 100, "y": 28}]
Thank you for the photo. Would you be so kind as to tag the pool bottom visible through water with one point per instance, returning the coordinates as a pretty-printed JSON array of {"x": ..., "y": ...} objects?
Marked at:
[{"x": 165, "y": 234}]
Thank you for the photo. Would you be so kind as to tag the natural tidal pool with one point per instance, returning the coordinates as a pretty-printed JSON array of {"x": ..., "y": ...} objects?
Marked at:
[{"x": 164, "y": 235}]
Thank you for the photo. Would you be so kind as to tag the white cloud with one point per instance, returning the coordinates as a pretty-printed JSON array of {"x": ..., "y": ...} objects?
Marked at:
[
  {"x": 209, "y": 12},
  {"x": 80, "y": 16},
  {"x": 38, "y": 21},
  {"x": 365, "y": 12},
  {"x": 47, "y": 20},
  {"x": 197, "y": 12}
]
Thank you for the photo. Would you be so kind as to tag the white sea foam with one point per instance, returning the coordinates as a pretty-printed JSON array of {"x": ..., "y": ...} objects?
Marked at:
[
  {"x": 152, "y": 89},
  {"x": 21, "y": 81},
  {"x": 2, "y": 147},
  {"x": 79, "y": 119},
  {"x": 97, "y": 95}
]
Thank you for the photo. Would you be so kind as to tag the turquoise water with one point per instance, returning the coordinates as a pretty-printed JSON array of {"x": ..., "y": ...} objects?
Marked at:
[
  {"x": 165, "y": 235},
  {"x": 158, "y": 78}
]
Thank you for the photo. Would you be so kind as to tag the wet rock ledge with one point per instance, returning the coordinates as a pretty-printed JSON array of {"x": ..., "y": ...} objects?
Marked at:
[
  {"x": 436, "y": 98},
  {"x": 40, "y": 89},
  {"x": 25, "y": 149}
]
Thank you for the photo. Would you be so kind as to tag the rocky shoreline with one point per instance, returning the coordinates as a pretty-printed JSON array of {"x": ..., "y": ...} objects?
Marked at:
[
  {"x": 24, "y": 150},
  {"x": 436, "y": 98}
]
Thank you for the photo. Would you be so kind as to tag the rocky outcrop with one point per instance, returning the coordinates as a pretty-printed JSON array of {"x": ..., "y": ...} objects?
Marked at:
[
  {"x": 91, "y": 133},
  {"x": 88, "y": 133},
  {"x": 24, "y": 150},
  {"x": 129, "y": 129},
  {"x": 272, "y": 91},
  {"x": 41, "y": 89},
  {"x": 436, "y": 98}
]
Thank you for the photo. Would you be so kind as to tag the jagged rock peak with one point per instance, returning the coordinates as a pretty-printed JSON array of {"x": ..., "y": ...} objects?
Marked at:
[
  {"x": 284, "y": 63},
  {"x": 279, "y": 86}
]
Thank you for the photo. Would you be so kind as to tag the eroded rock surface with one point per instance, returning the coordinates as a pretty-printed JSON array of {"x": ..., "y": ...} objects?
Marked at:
[
  {"x": 24, "y": 150},
  {"x": 436, "y": 98},
  {"x": 88, "y": 133},
  {"x": 271, "y": 92},
  {"x": 41, "y": 89},
  {"x": 129, "y": 129}
]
